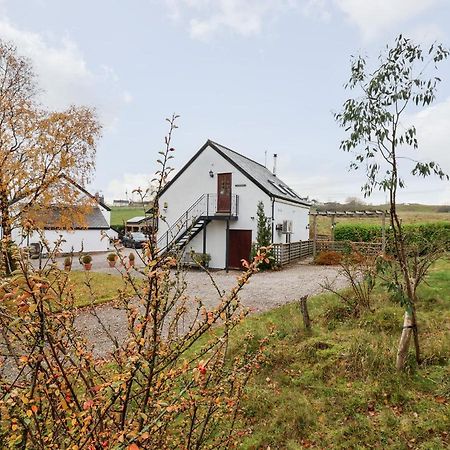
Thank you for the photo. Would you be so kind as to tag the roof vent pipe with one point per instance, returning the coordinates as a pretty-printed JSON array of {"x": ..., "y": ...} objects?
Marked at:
[{"x": 274, "y": 163}]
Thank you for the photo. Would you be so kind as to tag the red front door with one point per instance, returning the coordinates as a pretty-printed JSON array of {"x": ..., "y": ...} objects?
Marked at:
[
  {"x": 224, "y": 192},
  {"x": 240, "y": 247}
]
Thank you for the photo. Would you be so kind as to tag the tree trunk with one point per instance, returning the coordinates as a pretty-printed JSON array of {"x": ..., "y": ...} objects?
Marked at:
[
  {"x": 305, "y": 314},
  {"x": 7, "y": 261},
  {"x": 416, "y": 334},
  {"x": 405, "y": 340}
]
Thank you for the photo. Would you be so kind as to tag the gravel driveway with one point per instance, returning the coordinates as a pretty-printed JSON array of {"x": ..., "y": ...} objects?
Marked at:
[{"x": 265, "y": 291}]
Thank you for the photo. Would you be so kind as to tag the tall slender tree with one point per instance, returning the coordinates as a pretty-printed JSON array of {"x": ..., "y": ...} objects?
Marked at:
[
  {"x": 383, "y": 144},
  {"x": 263, "y": 237}
]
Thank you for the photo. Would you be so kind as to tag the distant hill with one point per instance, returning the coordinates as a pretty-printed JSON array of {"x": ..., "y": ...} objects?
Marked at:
[{"x": 402, "y": 207}]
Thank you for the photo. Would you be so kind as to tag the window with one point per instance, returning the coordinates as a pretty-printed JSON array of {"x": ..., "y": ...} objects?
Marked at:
[
  {"x": 292, "y": 192},
  {"x": 283, "y": 189},
  {"x": 276, "y": 186}
]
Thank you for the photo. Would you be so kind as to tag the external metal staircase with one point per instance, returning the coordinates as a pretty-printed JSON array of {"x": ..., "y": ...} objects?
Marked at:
[{"x": 194, "y": 220}]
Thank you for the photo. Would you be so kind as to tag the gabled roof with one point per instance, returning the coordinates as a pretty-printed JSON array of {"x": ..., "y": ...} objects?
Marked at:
[
  {"x": 256, "y": 172},
  {"x": 79, "y": 187},
  {"x": 82, "y": 189},
  {"x": 93, "y": 219}
]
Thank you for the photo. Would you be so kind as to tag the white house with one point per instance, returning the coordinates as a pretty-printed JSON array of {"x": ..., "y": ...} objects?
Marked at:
[
  {"x": 210, "y": 206},
  {"x": 80, "y": 235}
]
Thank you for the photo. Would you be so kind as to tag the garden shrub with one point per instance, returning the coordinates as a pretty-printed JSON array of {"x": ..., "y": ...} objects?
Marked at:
[{"x": 328, "y": 258}]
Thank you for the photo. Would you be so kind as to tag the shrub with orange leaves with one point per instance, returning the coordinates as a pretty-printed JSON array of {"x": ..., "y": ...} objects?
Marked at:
[{"x": 171, "y": 382}]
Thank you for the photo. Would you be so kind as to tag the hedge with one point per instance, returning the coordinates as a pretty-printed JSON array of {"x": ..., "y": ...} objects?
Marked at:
[
  {"x": 357, "y": 232},
  {"x": 418, "y": 233}
]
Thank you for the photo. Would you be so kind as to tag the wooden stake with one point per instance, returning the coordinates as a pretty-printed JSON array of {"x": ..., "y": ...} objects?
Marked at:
[
  {"x": 405, "y": 339},
  {"x": 305, "y": 314}
]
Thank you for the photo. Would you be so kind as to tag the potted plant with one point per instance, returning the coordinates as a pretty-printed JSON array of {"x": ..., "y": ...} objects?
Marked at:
[
  {"x": 131, "y": 258},
  {"x": 202, "y": 259},
  {"x": 87, "y": 262},
  {"x": 67, "y": 263},
  {"x": 112, "y": 258}
]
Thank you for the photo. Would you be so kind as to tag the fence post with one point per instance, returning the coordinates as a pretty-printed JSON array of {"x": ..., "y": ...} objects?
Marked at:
[
  {"x": 305, "y": 314},
  {"x": 314, "y": 236},
  {"x": 333, "y": 224}
]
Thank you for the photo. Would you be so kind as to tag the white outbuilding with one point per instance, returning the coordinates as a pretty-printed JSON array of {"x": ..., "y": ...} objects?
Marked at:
[
  {"x": 210, "y": 206},
  {"x": 84, "y": 233}
]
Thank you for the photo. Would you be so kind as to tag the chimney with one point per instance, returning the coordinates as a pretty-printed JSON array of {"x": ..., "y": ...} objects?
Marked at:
[
  {"x": 274, "y": 163},
  {"x": 99, "y": 198}
]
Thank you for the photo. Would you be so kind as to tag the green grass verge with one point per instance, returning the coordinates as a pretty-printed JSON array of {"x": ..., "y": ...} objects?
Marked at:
[
  {"x": 105, "y": 287},
  {"x": 337, "y": 387}
]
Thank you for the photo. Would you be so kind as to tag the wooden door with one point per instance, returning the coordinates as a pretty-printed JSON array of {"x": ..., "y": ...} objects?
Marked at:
[
  {"x": 224, "y": 192},
  {"x": 239, "y": 247}
]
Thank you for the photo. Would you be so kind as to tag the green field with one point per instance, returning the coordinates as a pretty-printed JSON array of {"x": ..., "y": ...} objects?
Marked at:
[
  {"x": 338, "y": 388},
  {"x": 119, "y": 215},
  {"x": 411, "y": 213}
]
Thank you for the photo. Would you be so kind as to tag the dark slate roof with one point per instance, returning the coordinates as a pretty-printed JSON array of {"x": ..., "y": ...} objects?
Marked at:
[
  {"x": 94, "y": 219},
  {"x": 256, "y": 172},
  {"x": 259, "y": 174}
]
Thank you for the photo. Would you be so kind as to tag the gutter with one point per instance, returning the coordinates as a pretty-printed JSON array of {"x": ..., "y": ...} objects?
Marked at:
[{"x": 273, "y": 217}]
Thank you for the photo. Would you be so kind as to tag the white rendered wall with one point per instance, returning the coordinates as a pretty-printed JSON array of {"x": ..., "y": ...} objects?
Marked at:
[
  {"x": 215, "y": 243},
  {"x": 283, "y": 210},
  {"x": 106, "y": 214},
  {"x": 196, "y": 181},
  {"x": 88, "y": 240}
]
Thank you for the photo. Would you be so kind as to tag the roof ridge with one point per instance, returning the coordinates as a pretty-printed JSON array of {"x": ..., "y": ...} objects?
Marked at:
[{"x": 237, "y": 153}]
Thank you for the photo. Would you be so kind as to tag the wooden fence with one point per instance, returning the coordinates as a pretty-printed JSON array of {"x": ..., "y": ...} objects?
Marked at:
[
  {"x": 285, "y": 253},
  {"x": 366, "y": 248}
]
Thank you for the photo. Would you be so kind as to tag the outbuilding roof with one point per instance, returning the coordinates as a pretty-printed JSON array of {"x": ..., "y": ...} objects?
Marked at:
[
  {"x": 255, "y": 171},
  {"x": 61, "y": 217},
  {"x": 137, "y": 219}
]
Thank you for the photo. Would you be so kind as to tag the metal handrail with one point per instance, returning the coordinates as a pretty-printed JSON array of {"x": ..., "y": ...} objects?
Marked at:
[
  {"x": 178, "y": 225},
  {"x": 204, "y": 206}
]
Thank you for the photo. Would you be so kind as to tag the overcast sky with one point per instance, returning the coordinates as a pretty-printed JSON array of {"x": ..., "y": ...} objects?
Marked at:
[{"x": 253, "y": 75}]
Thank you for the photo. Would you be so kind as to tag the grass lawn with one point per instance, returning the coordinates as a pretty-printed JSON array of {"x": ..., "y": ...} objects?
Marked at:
[
  {"x": 337, "y": 387},
  {"x": 119, "y": 215},
  {"x": 105, "y": 287}
]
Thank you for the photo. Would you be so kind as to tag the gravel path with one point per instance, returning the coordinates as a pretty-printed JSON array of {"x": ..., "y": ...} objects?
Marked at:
[{"x": 265, "y": 291}]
